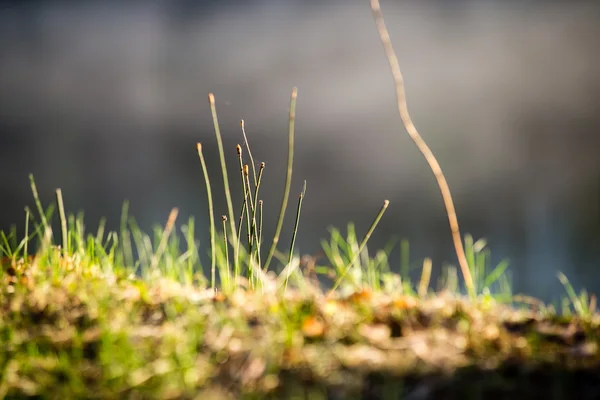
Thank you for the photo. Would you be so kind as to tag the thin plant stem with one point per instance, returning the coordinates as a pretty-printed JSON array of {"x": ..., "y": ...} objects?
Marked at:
[
  {"x": 247, "y": 195},
  {"x": 100, "y": 231},
  {"x": 425, "y": 277},
  {"x": 421, "y": 145},
  {"x": 252, "y": 228},
  {"x": 288, "y": 178},
  {"x": 260, "y": 225},
  {"x": 38, "y": 203},
  {"x": 211, "y": 216},
  {"x": 248, "y": 189},
  {"x": 26, "y": 244},
  {"x": 224, "y": 221},
  {"x": 386, "y": 203},
  {"x": 257, "y": 187},
  {"x": 249, "y": 206},
  {"x": 295, "y": 232},
  {"x": 213, "y": 109},
  {"x": 252, "y": 208},
  {"x": 126, "y": 236},
  {"x": 255, "y": 231},
  {"x": 239, "y": 235},
  {"x": 242, "y": 124},
  {"x": 63, "y": 222}
]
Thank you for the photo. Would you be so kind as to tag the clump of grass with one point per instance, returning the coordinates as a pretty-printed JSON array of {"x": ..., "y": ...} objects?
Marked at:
[
  {"x": 583, "y": 304},
  {"x": 86, "y": 319}
]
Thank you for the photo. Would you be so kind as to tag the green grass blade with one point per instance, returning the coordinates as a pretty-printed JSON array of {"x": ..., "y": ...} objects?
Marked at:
[
  {"x": 362, "y": 245},
  {"x": 125, "y": 233},
  {"x": 260, "y": 225},
  {"x": 288, "y": 177},
  {"x": 291, "y": 254},
  {"x": 211, "y": 216},
  {"x": 580, "y": 308},
  {"x": 164, "y": 241},
  {"x": 496, "y": 273},
  {"x": 213, "y": 109},
  {"x": 404, "y": 259},
  {"x": 38, "y": 203},
  {"x": 26, "y": 239}
]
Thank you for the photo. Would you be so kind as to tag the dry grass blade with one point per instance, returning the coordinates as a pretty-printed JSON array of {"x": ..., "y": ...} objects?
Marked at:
[
  {"x": 425, "y": 277},
  {"x": 63, "y": 222},
  {"x": 422, "y": 146}
]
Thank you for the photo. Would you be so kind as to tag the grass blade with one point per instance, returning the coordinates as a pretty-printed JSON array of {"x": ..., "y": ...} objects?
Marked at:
[
  {"x": 386, "y": 203},
  {"x": 425, "y": 277},
  {"x": 288, "y": 178},
  {"x": 213, "y": 109},
  {"x": 126, "y": 245},
  {"x": 63, "y": 222},
  {"x": 38, "y": 203},
  {"x": 211, "y": 216},
  {"x": 164, "y": 239},
  {"x": 496, "y": 273},
  {"x": 291, "y": 254}
]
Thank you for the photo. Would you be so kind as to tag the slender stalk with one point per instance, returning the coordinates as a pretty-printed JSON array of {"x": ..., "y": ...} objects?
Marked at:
[
  {"x": 253, "y": 235},
  {"x": 247, "y": 195},
  {"x": 249, "y": 152},
  {"x": 38, "y": 203},
  {"x": 26, "y": 244},
  {"x": 100, "y": 231},
  {"x": 252, "y": 249},
  {"x": 425, "y": 277},
  {"x": 252, "y": 208},
  {"x": 300, "y": 199},
  {"x": 211, "y": 216},
  {"x": 249, "y": 206},
  {"x": 291, "y": 254},
  {"x": 255, "y": 232},
  {"x": 386, "y": 203},
  {"x": 126, "y": 235},
  {"x": 260, "y": 225},
  {"x": 213, "y": 109},
  {"x": 251, "y": 203},
  {"x": 63, "y": 222},
  {"x": 239, "y": 235},
  {"x": 288, "y": 178},
  {"x": 224, "y": 221},
  {"x": 257, "y": 187},
  {"x": 422, "y": 146}
]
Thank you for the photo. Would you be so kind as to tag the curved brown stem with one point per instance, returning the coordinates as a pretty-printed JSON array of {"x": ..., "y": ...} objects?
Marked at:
[{"x": 421, "y": 145}]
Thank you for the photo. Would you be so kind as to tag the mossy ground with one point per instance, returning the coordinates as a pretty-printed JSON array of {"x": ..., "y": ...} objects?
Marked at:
[{"x": 85, "y": 333}]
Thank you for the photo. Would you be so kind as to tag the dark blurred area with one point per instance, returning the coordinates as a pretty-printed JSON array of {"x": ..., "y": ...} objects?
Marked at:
[{"x": 107, "y": 99}]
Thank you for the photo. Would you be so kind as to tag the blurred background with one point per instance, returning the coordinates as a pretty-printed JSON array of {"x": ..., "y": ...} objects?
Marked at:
[{"x": 107, "y": 99}]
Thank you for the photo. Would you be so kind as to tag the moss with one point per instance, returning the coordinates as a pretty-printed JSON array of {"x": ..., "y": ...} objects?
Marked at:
[{"x": 179, "y": 340}]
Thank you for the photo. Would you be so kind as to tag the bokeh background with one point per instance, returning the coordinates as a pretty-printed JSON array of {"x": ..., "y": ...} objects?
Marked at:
[{"x": 107, "y": 99}]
